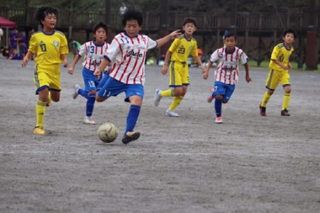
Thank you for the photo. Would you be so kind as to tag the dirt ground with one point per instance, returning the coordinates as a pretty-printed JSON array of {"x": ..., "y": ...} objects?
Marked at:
[{"x": 186, "y": 164}]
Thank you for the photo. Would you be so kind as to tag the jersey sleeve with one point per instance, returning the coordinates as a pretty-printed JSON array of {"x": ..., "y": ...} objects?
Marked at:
[
  {"x": 151, "y": 43},
  {"x": 275, "y": 53},
  {"x": 214, "y": 56},
  {"x": 113, "y": 50},
  {"x": 194, "y": 51},
  {"x": 243, "y": 58},
  {"x": 83, "y": 49},
  {"x": 64, "y": 50},
  {"x": 174, "y": 45},
  {"x": 33, "y": 44}
]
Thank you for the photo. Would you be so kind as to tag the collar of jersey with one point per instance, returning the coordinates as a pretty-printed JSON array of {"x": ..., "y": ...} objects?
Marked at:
[
  {"x": 98, "y": 45},
  {"x": 48, "y": 33}
]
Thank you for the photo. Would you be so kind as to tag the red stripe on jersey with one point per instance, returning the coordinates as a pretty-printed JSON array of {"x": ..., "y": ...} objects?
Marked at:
[
  {"x": 142, "y": 62},
  {"x": 125, "y": 69},
  {"x": 90, "y": 58},
  {"x": 134, "y": 66},
  {"x": 86, "y": 52}
]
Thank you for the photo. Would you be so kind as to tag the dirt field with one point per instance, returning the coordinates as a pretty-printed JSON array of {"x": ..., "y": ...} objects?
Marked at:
[{"x": 186, "y": 164}]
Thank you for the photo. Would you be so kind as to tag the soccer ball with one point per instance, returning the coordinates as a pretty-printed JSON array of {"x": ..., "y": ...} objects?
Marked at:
[{"x": 107, "y": 132}]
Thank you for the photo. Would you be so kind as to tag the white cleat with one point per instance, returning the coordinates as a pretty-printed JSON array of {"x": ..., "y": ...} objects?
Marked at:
[
  {"x": 157, "y": 97},
  {"x": 88, "y": 120},
  {"x": 76, "y": 88},
  {"x": 170, "y": 113}
]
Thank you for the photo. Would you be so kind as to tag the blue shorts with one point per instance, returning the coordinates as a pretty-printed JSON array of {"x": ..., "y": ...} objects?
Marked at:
[
  {"x": 90, "y": 81},
  {"x": 112, "y": 87},
  {"x": 225, "y": 90}
]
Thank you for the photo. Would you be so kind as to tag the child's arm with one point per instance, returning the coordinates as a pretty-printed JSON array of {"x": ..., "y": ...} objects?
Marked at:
[
  {"x": 246, "y": 66},
  {"x": 167, "y": 38},
  {"x": 64, "y": 59},
  {"x": 73, "y": 64},
  {"x": 280, "y": 64},
  {"x": 165, "y": 66},
  {"x": 199, "y": 62},
  {"x": 205, "y": 73},
  {"x": 26, "y": 58}
]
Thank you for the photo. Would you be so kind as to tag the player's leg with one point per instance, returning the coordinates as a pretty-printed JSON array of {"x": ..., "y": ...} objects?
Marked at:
[
  {"x": 90, "y": 88},
  {"x": 42, "y": 82},
  {"x": 285, "y": 81},
  {"x": 272, "y": 82},
  {"x": 219, "y": 94},
  {"x": 135, "y": 95}
]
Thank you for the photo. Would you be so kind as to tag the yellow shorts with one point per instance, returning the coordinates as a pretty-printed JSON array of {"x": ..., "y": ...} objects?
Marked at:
[
  {"x": 47, "y": 76},
  {"x": 179, "y": 74},
  {"x": 275, "y": 77}
]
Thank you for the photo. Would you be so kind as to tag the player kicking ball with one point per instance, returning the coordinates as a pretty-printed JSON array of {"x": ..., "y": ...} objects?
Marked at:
[{"x": 127, "y": 55}]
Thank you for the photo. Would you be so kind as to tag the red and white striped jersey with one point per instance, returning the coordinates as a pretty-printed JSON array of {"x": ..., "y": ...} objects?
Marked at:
[
  {"x": 228, "y": 68},
  {"x": 93, "y": 54},
  {"x": 128, "y": 56}
]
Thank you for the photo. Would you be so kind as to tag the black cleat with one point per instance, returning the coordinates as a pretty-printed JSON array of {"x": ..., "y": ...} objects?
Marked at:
[
  {"x": 285, "y": 112},
  {"x": 262, "y": 110},
  {"x": 130, "y": 136}
]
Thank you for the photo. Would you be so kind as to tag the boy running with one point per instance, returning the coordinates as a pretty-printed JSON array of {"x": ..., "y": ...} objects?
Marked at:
[
  {"x": 127, "y": 55},
  {"x": 93, "y": 52},
  {"x": 49, "y": 49},
  {"x": 279, "y": 73},
  {"x": 177, "y": 56},
  {"x": 227, "y": 72}
]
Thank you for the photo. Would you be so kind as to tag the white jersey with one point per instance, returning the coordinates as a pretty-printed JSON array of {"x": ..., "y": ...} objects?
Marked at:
[
  {"x": 228, "y": 68},
  {"x": 128, "y": 56},
  {"x": 93, "y": 54}
]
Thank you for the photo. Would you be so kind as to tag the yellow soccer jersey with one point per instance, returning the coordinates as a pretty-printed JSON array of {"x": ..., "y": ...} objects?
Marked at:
[
  {"x": 48, "y": 48},
  {"x": 282, "y": 54},
  {"x": 181, "y": 48}
]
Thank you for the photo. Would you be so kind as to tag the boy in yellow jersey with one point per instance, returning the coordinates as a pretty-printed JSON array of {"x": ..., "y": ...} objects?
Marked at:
[
  {"x": 177, "y": 55},
  {"x": 49, "y": 49},
  {"x": 279, "y": 73}
]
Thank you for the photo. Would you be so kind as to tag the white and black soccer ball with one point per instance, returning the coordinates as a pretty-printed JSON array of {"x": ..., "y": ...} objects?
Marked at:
[{"x": 107, "y": 132}]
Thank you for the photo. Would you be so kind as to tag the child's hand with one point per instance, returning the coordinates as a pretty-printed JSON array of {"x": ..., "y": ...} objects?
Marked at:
[
  {"x": 24, "y": 62},
  {"x": 97, "y": 72},
  {"x": 65, "y": 62},
  {"x": 164, "y": 69},
  {"x": 248, "y": 79},
  {"x": 71, "y": 70},
  {"x": 175, "y": 34},
  {"x": 205, "y": 75}
]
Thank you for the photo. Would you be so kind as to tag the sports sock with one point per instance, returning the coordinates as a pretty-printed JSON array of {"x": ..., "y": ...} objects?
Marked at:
[
  {"x": 265, "y": 99},
  {"x": 286, "y": 100},
  {"x": 90, "y": 105},
  {"x": 132, "y": 117},
  {"x": 83, "y": 93},
  {"x": 218, "y": 107},
  {"x": 40, "y": 111},
  {"x": 176, "y": 101},
  {"x": 166, "y": 93}
]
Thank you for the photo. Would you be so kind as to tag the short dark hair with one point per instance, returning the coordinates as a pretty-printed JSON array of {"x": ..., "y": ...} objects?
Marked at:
[
  {"x": 132, "y": 15},
  {"x": 100, "y": 25},
  {"x": 42, "y": 12},
  {"x": 289, "y": 31},
  {"x": 189, "y": 20},
  {"x": 229, "y": 33}
]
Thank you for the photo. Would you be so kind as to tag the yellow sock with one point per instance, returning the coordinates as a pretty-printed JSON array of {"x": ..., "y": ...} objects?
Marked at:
[
  {"x": 286, "y": 100},
  {"x": 40, "y": 110},
  {"x": 166, "y": 93},
  {"x": 265, "y": 99},
  {"x": 176, "y": 101}
]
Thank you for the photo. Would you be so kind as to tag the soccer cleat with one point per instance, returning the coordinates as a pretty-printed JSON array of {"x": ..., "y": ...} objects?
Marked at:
[
  {"x": 39, "y": 131},
  {"x": 219, "y": 120},
  {"x": 88, "y": 120},
  {"x": 170, "y": 113},
  {"x": 76, "y": 88},
  {"x": 262, "y": 110},
  {"x": 285, "y": 112},
  {"x": 157, "y": 97},
  {"x": 130, "y": 136}
]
